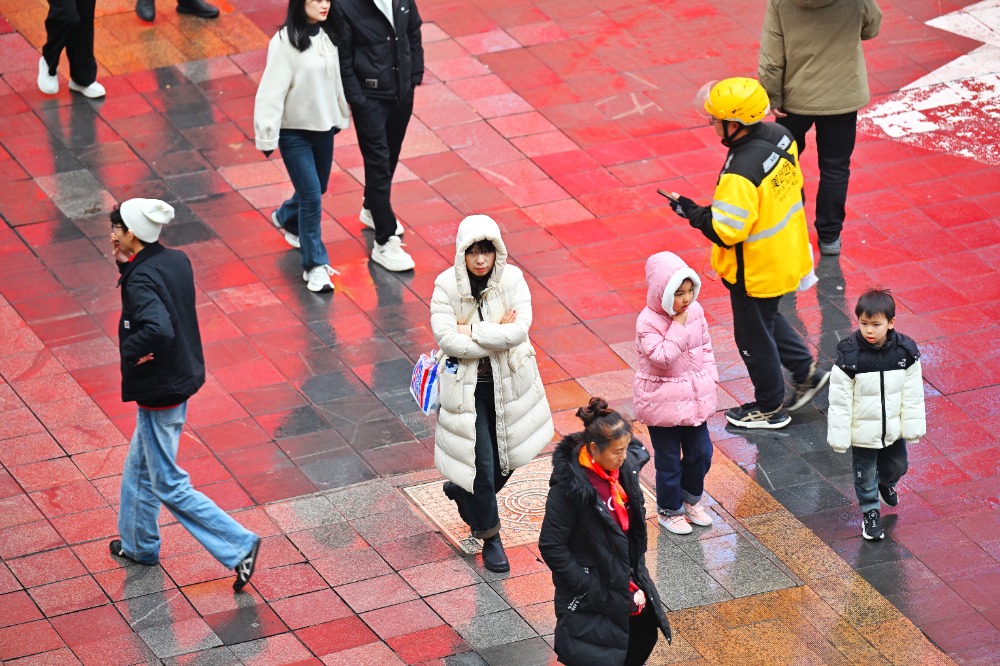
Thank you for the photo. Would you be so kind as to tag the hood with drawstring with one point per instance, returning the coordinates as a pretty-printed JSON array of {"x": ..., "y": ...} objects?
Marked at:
[
  {"x": 676, "y": 375},
  {"x": 523, "y": 420}
]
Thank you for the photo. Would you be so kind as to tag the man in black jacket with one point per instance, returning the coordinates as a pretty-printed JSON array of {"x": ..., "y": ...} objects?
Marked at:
[
  {"x": 381, "y": 60},
  {"x": 162, "y": 366}
]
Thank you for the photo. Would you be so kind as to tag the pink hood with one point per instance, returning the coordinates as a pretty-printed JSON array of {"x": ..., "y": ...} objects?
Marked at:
[
  {"x": 665, "y": 272},
  {"x": 676, "y": 375}
]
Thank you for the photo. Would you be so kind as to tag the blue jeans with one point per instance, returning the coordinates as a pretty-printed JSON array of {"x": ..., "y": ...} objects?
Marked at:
[
  {"x": 682, "y": 456},
  {"x": 308, "y": 158},
  {"x": 874, "y": 466},
  {"x": 152, "y": 477}
]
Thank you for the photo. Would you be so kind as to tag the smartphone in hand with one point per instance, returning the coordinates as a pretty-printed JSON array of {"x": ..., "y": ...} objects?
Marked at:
[{"x": 670, "y": 195}]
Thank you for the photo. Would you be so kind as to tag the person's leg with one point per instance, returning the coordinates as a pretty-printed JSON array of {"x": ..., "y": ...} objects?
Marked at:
[
  {"x": 835, "y": 138},
  {"x": 753, "y": 330},
  {"x": 395, "y": 131},
  {"x": 798, "y": 126},
  {"x": 643, "y": 632},
  {"x": 696, "y": 460},
  {"x": 892, "y": 463},
  {"x": 370, "y": 126},
  {"x": 482, "y": 502},
  {"x": 139, "y": 510},
  {"x": 667, "y": 462},
  {"x": 863, "y": 467},
  {"x": 288, "y": 212},
  {"x": 224, "y": 538},
  {"x": 80, "y": 46},
  {"x": 297, "y": 152},
  {"x": 792, "y": 350},
  {"x": 61, "y": 23}
]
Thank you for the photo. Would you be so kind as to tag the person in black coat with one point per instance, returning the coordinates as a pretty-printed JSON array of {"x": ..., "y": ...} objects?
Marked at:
[
  {"x": 162, "y": 365},
  {"x": 593, "y": 538},
  {"x": 381, "y": 60}
]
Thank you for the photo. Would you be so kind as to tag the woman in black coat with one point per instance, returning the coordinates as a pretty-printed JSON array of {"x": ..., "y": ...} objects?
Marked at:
[{"x": 593, "y": 538}]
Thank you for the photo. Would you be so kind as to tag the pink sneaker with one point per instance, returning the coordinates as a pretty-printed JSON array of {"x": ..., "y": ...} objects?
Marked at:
[
  {"x": 697, "y": 515},
  {"x": 675, "y": 524}
]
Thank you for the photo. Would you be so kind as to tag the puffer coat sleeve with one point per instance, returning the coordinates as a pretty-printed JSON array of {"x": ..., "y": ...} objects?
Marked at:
[
  {"x": 841, "y": 413},
  {"x": 444, "y": 324},
  {"x": 914, "y": 420},
  {"x": 498, "y": 337}
]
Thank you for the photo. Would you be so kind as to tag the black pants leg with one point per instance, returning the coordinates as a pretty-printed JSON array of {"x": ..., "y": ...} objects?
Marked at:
[
  {"x": 381, "y": 126},
  {"x": 69, "y": 25},
  {"x": 643, "y": 632},
  {"x": 835, "y": 138},
  {"x": 767, "y": 342},
  {"x": 481, "y": 504}
]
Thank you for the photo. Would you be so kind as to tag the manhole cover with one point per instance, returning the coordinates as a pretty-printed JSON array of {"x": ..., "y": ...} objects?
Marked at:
[{"x": 521, "y": 504}]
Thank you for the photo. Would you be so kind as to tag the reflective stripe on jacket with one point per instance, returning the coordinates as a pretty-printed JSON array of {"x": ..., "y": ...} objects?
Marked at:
[{"x": 758, "y": 214}]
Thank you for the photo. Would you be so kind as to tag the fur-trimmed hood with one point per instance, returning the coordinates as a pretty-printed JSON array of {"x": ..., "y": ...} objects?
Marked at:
[{"x": 665, "y": 272}]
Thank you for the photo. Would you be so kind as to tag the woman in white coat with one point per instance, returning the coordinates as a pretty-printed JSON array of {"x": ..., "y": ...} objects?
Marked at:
[{"x": 494, "y": 416}]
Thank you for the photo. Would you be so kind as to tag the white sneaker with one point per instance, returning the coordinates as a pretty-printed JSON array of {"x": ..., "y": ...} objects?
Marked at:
[
  {"x": 392, "y": 256},
  {"x": 46, "y": 83},
  {"x": 696, "y": 514},
  {"x": 290, "y": 238},
  {"x": 317, "y": 279},
  {"x": 94, "y": 91},
  {"x": 675, "y": 524},
  {"x": 369, "y": 221}
]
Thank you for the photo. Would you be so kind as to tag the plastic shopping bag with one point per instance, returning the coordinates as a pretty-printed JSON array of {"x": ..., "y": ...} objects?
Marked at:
[{"x": 425, "y": 384}]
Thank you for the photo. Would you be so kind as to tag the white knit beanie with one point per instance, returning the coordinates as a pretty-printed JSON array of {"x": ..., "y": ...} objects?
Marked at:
[{"x": 145, "y": 217}]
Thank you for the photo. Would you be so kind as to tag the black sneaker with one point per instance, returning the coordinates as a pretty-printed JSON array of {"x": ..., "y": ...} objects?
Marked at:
[
  {"x": 808, "y": 389},
  {"x": 888, "y": 495},
  {"x": 117, "y": 550},
  {"x": 871, "y": 528},
  {"x": 750, "y": 416},
  {"x": 244, "y": 570}
]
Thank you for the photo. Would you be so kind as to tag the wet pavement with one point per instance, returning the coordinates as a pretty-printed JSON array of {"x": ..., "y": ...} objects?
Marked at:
[{"x": 559, "y": 119}]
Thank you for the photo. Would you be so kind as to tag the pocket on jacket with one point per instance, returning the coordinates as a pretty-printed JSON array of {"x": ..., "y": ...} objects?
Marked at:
[
  {"x": 452, "y": 389},
  {"x": 523, "y": 369}
]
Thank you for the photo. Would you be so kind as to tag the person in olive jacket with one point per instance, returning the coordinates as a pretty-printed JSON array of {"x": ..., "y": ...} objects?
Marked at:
[
  {"x": 593, "y": 538},
  {"x": 381, "y": 60},
  {"x": 162, "y": 365}
]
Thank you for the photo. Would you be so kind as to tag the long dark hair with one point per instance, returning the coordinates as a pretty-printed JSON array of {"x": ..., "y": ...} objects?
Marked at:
[
  {"x": 602, "y": 425},
  {"x": 297, "y": 25}
]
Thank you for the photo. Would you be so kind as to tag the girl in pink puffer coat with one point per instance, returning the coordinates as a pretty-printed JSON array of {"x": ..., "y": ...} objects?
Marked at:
[{"x": 674, "y": 389}]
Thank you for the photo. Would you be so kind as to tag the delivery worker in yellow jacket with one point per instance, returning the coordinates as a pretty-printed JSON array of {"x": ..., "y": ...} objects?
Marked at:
[{"x": 758, "y": 225}]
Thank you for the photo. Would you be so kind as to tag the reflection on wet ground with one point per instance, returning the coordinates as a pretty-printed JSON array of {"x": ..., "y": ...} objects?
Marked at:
[{"x": 560, "y": 130}]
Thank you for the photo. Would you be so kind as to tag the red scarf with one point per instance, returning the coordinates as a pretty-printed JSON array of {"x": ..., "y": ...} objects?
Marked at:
[{"x": 619, "y": 498}]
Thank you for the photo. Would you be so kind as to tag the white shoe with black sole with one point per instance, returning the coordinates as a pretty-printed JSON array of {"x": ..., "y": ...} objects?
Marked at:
[{"x": 317, "y": 279}]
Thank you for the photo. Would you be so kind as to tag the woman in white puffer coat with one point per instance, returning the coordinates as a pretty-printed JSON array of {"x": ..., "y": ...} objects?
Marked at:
[{"x": 494, "y": 416}]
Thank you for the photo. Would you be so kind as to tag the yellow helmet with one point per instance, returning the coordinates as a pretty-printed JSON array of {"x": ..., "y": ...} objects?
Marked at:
[{"x": 739, "y": 100}]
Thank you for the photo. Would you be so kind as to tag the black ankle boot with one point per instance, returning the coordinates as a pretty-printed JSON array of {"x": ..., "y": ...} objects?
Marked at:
[
  {"x": 198, "y": 8},
  {"x": 494, "y": 558},
  {"x": 451, "y": 492}
]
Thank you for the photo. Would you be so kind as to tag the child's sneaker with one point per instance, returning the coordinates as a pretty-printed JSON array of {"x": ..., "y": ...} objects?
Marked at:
[
  {"x": 871, "y": 528},
  {"x": 675, "y": 524},
  {"x": 751, "y": 416},
  {"x": 696, "y": 514},
  {"x": 808, "y": 389},
  {"x": 888, "y": 495}
]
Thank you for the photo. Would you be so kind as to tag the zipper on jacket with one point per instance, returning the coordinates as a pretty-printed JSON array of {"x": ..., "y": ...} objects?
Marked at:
[{"x": 881, "y": 385}]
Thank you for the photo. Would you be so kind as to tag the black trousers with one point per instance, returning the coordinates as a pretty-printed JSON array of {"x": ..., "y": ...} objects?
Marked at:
[
  {"x": 381, "y": 127},
  {"x": 481, "y": 504},
  {"x": 643, "y": 632},
  {"x": 70, "y": 25},
  {"x": 835, "y": 137},
  {"x": 767, "y": 342}
]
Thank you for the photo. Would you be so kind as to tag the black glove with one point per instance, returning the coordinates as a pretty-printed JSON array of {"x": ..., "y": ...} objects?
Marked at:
[
  {"x": 683, "y": 206},
  {"x": 267, "y": 153}
]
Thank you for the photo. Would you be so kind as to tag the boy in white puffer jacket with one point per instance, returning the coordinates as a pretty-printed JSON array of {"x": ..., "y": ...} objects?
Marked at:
[{"x": 876, "y": 405}]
